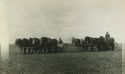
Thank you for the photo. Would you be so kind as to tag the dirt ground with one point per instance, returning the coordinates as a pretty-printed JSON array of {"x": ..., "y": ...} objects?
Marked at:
[{"x": 104, "y": 62}]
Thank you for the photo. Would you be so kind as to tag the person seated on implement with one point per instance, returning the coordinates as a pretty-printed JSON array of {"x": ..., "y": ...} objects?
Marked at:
[
  {"x": 60, "y": 43},
  {"x": 107, "y": 36}
]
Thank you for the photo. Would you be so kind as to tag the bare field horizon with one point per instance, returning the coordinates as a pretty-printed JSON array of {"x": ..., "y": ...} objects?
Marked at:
[{"x": 104, "y": 62}]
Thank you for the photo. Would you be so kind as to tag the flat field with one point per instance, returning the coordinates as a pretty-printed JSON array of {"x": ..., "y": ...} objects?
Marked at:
[{"x": 69, "y": 62}]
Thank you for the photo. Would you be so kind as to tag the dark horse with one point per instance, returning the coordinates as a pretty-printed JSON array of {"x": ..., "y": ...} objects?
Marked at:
[
  {"x": 49, "y": 45},
  {"x": 110, "y": 44},
  {"x": 76, "y": 42}
]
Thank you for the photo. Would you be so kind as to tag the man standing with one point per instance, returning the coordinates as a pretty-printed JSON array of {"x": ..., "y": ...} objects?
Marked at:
[
  {"x": 60, "y": 43},
  {"x": 107, "y": 36}
]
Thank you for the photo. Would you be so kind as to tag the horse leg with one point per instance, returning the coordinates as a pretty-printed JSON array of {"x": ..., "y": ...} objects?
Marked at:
[
  {"x": 82, "y": 48},
  {"x": 24, "y": 50},
  {"x": 29, "y": 50},
  {"x": 40, "y": 49},
  {"x": 35, "y": 50},
  {"x": 85, "y": 48},
  {"x": 91, "y": 47}
]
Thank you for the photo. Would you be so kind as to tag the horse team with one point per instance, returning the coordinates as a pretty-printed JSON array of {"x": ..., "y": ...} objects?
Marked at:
[
  {"x": 36, "y": 45},
  {"x": 90, "y": 43},
  {"x": 48, "y": 45}
]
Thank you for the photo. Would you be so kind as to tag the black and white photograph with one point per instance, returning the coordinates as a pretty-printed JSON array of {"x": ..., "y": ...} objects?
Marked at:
[{"x": 62, "y": 36}]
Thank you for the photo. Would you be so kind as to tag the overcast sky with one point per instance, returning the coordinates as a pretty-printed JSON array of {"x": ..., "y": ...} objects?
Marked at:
[{"x": 65, "y": 18}]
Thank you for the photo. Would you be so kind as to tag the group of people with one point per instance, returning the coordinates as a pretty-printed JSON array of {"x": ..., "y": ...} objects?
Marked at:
[
  {"x": 39, "y": 45},
  {"x": 90, "y": 43}
]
